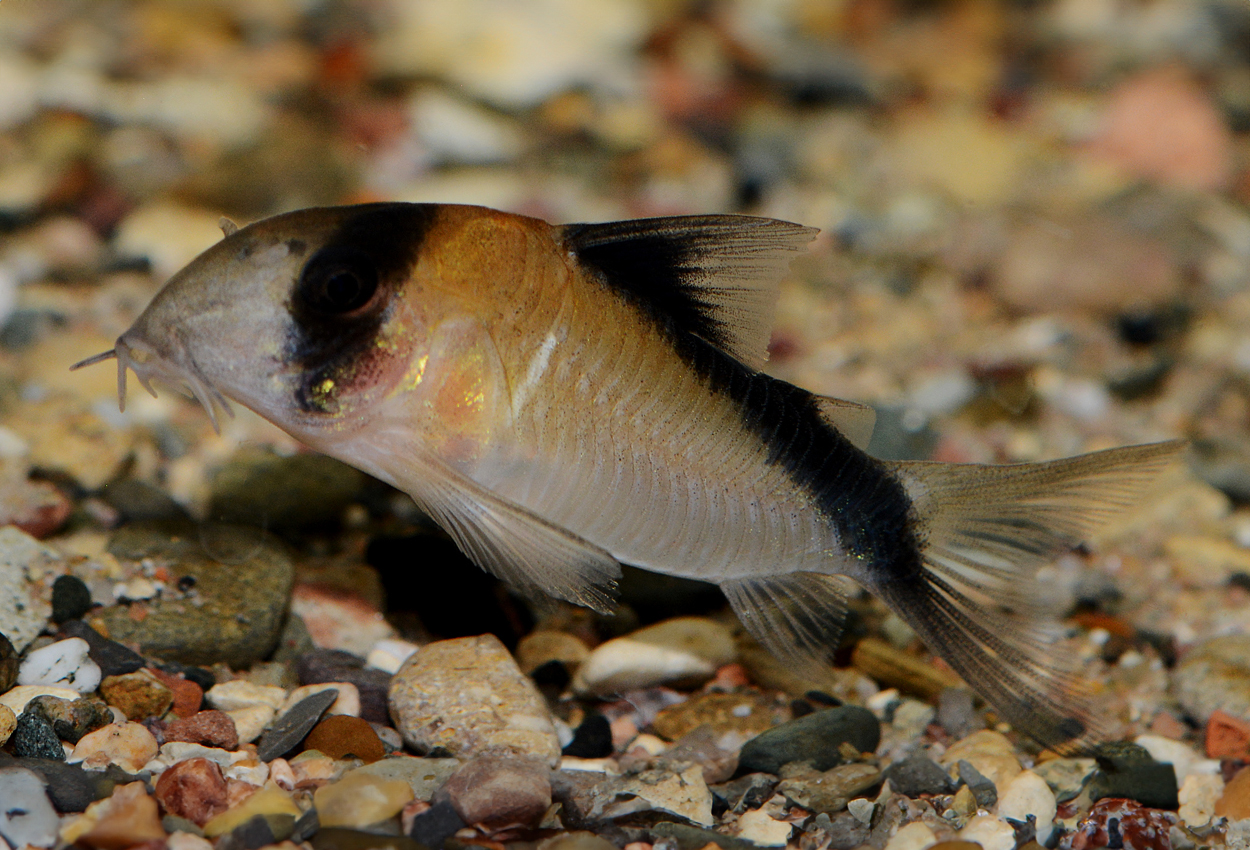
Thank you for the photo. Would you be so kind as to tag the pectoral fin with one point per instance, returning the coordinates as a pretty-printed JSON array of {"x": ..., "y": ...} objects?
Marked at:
[{"x": 532, "y": 555}]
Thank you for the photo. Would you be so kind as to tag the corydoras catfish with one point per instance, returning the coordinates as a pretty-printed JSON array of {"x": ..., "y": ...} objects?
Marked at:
[{"x": 564, "y": 399}]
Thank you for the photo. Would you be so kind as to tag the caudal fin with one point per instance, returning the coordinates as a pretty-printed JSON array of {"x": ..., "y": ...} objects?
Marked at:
[{"x": 983, "y": 532}]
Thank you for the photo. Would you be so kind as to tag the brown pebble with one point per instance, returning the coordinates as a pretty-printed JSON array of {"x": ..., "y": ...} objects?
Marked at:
[
  {"x": 212, "y": 728},
  {"x": 498, "y": 791},
  {"x": 339, "y": 736},
  {"x": 188, "y": 696},
  {"x": 194, "y": 789},
  {"x": 130, "y": 818},
  {"x": 139, "y": 695},
  {"x": 1235, "y": 803}
]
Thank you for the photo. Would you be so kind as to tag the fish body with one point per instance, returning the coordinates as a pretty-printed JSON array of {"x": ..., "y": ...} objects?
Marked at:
[{"x": 564, "y": 399}]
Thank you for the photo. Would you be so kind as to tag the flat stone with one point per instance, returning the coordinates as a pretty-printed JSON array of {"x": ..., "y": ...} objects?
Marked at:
[
  {"x": 26, "y": 816},
  {"x": 291, "y": 728},
  {"x": 423, "y": 775},
  {"x": 138, "y": 695},
  {"x": 258, "y": 487},
  {"x": 680, "y": 651},
  {"x": 748, "y": 713},
  {"x": 129, "y": 746},
  {"x": 746, "y": 792},
  {"x": 113, "y": 658},
  {"x": 71, "y": 720},
  {"x": 194, "y": 789},
  {"x": 269, "y": 800},
  {"x": 25, "y": 601},
  {"x": 342, "y": 736},
  {"x": 499, "y": 791},
  {"x": 71, "y": 599},
  {"x": 1028, "y": 795},
  {"x": 10, "y": 664},
  {"x": 761, "y": 829},
  {"x": 70, "y": 788},
  {"x": 129, "y": 817},
  {"x": 816, "y": 737},
  {"x": 360, "y": 800},
  {"x": 211, "y": 728},
  {"x": 240, "y": 693},
  {"x": 468, "y": 696},
  {"x": 683, "y": 793},
  {"x": 436, "y": 824},
  {"x": 240, "y": 582},
  {"x": 916, "y": 775},
  {"x": 63, "y": 664},
  {"x": 826, "y": 791},
  {"x": 34, "y": 738}
]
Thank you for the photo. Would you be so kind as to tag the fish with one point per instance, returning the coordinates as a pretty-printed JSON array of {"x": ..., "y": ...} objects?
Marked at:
[{"x": 564, "y": 399}]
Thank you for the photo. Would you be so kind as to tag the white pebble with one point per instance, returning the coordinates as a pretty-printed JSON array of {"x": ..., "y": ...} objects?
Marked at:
[
  {"x": 16, "y": 698},
  {"x": 623, "y": 664},
  {"x": 861, "y": 809},
  {"x": 1184, "y": 759},
  {"x": 390, "y": 654},
  {"x": 348, "y": 701},
  {"x": 914, "y": 836},
  {"x": 229, "y": 696},
  {"x": 1028, "y": 794},
  {"x": 1198, "y": 796},
  {"x": 990, "y": 832},
  {"x": 64, "y": 663},
  {"x": 250, "y": 721},
  {"x": 758, "y": 828}
]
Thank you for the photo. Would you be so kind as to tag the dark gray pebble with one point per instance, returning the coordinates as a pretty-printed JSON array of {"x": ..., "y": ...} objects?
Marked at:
[
  {"x": 34, "y": 738},
  {"x": 916, "y": 775},
  {"x": 252, "y": 834},
  {"x": 71, "y": 788},
  {"x": 9, "y": 664},
  {"x": 306, "y": 826},
  {"x": 113, "y": 658},
  {"x": 259, "y": 487},
  {"x": 71, "y": 598},
  {"x": 340, "y": 838},
  {"x": 71, "y": 720},
  {"x": 138, "y": 501},
  {"x": 436, "y": 824},
  {"x": 1127, "y": 770},
  {"x": 288, "y": 730},
  {"x": 592, "y": 740},
  {"x": 745, "y": 792},
  {"x": 816, "y": 738},
  {"x": 985, "y": 791},
  {"x": 842, "y": 831},
  {"x": 333, "y": 665}
]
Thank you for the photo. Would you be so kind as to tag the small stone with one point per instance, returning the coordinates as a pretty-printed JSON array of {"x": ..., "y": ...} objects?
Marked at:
[
  {"x": 138, "y": 501},
  {"x": 34, "y": 738},
  {"x": 71, "y": 599},
  {"x": 128, "y": 818},
  {"x": 257, "y": 832},
  {"x": 340, "y": 619},
  {"x": 964, "y": 803},
  {"x": 342, "y": 736},
  {"x": 424, "y": 776},
  {"x": 1066, "y": 777},
  {"x": 188, "y": 696},
  {"x": 1215, "y": 676},
  {"x": 269, "y": 800},
  {"x": 918, "y": 775},
  {"x": 71, "y": 720},
  {"x": 862, "y": 809},
  {"x": 288, "y": 730},
  {"x": 1234, "y": 804},
  {"x": 139, "y": 695},
  {"x": 500, "y": 791},
  {"x": 746, "y": 792},
  {"x": 241, "y": 693},
  {"x": 990, "y": 753},
  {"x": 9, "y": 664},
  {"x": 388, "y": 655},
  {"x": 1227, "y": 737},
  {"x": 24, "y": 607},
  {"x": 348, "y": 701},
  {"x": 193, "y": 789},
  {"x": 664, "y": 789},
  {"x": 17, "y": 698},
  {"x": 328, "y": 665},
  {"x": 1198, "y": 797},
  {"x": 748, "y": 714},
  {"x": 8, "y": 722},
  {"x": 250, "y": 722},
  {"x": 1126, "y": 823},
  {"x": 26, "y": 815},
  {"x": 436, "y": 824},
  {"x": 957, "y": 714},
  {"x": 592, "y": 739},
  {"x": 542, "y": 646},
  {"x": 468, "y": 696},
  {"x": 212, "y": 728},
  {"x": 71, "y": 788},
  {"x": 259, "y": 487},
  {"x": 816, "y": 738},
  {"x": 1127, "y": 770},
  {"x": 680, "y": 651},
  {"x": 112, "y": 658},
  {"x": 913, "y": 836},
  {"x": 64, "y": 664},
  {"x": 758, "y": 828},
  {"x": 828, "y": 791},
  {"x": 989, "y": 832},
  {"x": 129, "y": 746},
  {"x": 1028, "y": 795},
  {"x": 359, "y": 800}
]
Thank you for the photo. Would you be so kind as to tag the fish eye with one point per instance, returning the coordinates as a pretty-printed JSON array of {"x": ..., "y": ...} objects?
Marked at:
[{"x": 338, "y": 281}]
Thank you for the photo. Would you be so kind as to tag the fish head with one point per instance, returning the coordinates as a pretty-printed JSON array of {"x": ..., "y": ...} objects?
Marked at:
[{"x": 301, "y": 317}]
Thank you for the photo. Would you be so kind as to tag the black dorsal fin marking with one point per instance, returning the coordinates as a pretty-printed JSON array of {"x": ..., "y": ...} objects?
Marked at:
[
  {"x": 855, "y": 421},
  {"x": 712, "y": 276}
]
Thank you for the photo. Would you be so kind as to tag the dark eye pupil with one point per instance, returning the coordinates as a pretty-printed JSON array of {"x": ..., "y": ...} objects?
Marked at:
[
  {"x": 343, "y": 290},
  {"x": 337, "y": 282}
]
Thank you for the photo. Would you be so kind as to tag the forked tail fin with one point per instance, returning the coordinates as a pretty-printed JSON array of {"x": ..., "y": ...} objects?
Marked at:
[{"x": 983, "y": 532}]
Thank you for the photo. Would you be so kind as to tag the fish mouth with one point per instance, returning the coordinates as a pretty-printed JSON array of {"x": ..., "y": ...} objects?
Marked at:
[{"x": 136, "y": 355}]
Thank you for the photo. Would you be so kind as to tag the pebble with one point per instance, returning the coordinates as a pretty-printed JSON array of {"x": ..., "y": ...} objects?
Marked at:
[
  {"x": 916, "y": 775},
  {"x": 10, "y": 664},
  {"x": 130, "y": 746},
  {"x": 1234, "y": 803},
  {"x": 127, "y": 818},
  {"x": 680, "y": 651},
  {"x": 815, "y": 738},
  {"x": 989, "y": 832},
  {"x": 543, "y": 646},
  {"x": 591, "y": 740},
  {"x": 329, "y": 666},
  {"x": 138, "y": 695},
  {"x": 1066, "y": 777},
  {"x": 1028, "y": 794},
  {"x": 26, "y": 816},
  {"x": 269, "y": 800},
  {"x": 1215, "y": 676},
  {"x": 989, "y": 752},
  {"x": 683, "y": 793},
  {"x": 913, "y": 836},
  {"x": 34, "y": 738},
  {"x": 286, "y": 732},
  {"x": 71, "y": 720},
  {"x": 1181, "y": 756},
  {"x": 17, "y": 698},
  {"x": 1128, "y": 770},
  {"x": 340, "y": 619},
  {"x": 359, "y": 800},
  {"x": 389, "y": 655},
  {"x": 828, "y": 791},
  {"x": 468, "y": 696},
  {"x": 1198, "y": 797},
  {"x": 194, "y": 789},
  {"x": 212, "y": 728},
  {"x": 24, "y": 607},
  {"x": 575, "y": 841},
  {"x": 348, "y": 701},
  {"x": 240, "y": 693},
  {"x": 71, "y": 599},
  {"x": 1124, "y": 823},
  {"x": 1227, "y": 737},
  {"x": 113, "y": 658},
  {"x": 748, "y": 713},
  {"x": 424, "y": 776},
  {"x": 250, "y": 721},
  {"x": 302, "y": 490},
  {"x": 188, "y": 696},
  {"x": 8, "y": 722},
  {"x": 241, "y": 579},
  {"x": 435, "y": 825},
  {"x": 499, "y": 791},
  {"x": 342, "y": 736},
  {"x": 761, "y": 829}
]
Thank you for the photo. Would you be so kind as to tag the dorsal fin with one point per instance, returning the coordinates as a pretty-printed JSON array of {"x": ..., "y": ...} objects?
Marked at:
[
  {"x": 714, "y": 276},
  {"x": 853, "y": 421}
]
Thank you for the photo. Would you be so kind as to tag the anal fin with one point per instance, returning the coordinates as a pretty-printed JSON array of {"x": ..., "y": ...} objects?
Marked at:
[{"x": 797, "y": 616}]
